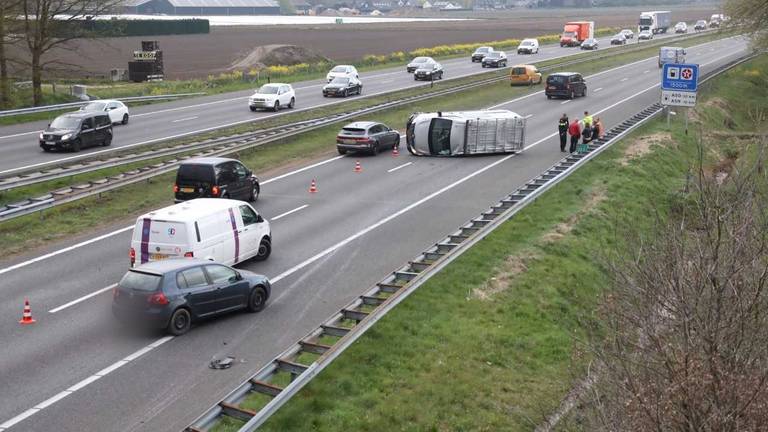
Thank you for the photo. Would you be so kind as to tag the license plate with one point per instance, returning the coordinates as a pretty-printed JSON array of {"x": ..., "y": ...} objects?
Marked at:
[
  {"x": 158, "y": 257},
  {"x": 187, "y": 190},
  {"x": 50, "y": 142},
  {"x": 348, "y": 141}
]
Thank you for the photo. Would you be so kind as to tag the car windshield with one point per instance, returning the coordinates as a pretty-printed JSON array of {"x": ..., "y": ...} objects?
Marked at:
[
  {"x": 339, "y": 69},
  {"x": 268, "y": 89},
  {"x": 626, "y": 31},
  {"x": 138, "y": 281},
  {"x": 518, "y": 71},
  {"x": 427, "y": 65},
  {"x": 94, "y": 106},
  {"x": 340, "y": 80},
  {"x": 420, "y": 60},
  {"x": 569, "y": 34},
  {"x": 556, "y": 79},
  {"x": 66, "y": 123},
  {"x": 700, "y": 22},
  {"x": 483, "y": 50},
  {"x": 618, "y": 36},
  {"x": 527, "y": 43},
  {"x": 352, "y": 131},
  {"x": 589, "y": 41}
]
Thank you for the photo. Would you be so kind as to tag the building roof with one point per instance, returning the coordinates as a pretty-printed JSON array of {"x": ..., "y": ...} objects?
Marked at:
[{"x": 209, "y": 3}]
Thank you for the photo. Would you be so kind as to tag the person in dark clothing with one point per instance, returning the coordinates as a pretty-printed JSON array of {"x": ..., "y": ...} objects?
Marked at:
[
  {"x": 574, "y": 130},
  {"x": 562, "y": 128}
]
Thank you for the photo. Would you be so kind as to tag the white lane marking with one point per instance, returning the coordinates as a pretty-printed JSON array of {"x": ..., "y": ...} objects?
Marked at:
[
  {"x": 387, "y": 81},
  {"x": 82, "y": 299},
  {"x": 20, "y": 134},
  {"x": 646, "y": 71},
  {"x": 290, "y": 212},
  {"x": 185, "y": 119},
  {"x": 597, "y": 90},
  {"x": 82, "y": 384},
  {"x": 565, "y": 102},
  {"x": 624, "y": 79},
  {"x": 189, "y": 106},
  {"x": 398, "y": 167},
  {"x": 315, "y": 165},
  {"x": 528, "y": 116}
]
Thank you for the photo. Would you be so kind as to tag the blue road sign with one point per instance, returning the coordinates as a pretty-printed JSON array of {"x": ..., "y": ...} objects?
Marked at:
[{"x": 680, "y": 77}]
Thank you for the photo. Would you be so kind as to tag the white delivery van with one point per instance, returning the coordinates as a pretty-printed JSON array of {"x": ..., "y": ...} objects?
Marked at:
[{"x": 221, "y": 230}]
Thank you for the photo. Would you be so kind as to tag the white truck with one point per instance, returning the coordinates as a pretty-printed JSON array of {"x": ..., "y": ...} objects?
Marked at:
[
  {"x": 715, "y": 20},
  {"x": 465, "y": 133},
  {"x": 675, "y": 55},
  {"x": 655, "y": 21}
]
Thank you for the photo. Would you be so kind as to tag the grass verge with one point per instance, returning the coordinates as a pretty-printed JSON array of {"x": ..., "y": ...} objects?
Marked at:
[
  {"x": 27, "y": 232},
  {"x": 491, "y": 342}
]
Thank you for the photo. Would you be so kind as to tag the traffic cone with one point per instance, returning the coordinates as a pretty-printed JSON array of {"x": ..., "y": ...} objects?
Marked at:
[
  {"x": 395, "y": 152},
  {"x": 358, "y": 168},
  {"x": 26, "y": 317},
  {"x": 313, "y": 186}
]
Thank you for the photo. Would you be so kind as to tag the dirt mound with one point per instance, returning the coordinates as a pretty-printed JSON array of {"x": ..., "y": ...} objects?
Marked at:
[
  {"x": 274, "y": 55},
  {"x": 642, "y": 146}
]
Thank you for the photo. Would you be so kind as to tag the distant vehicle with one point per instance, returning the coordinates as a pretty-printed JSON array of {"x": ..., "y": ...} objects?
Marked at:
[
  {"x": 495, "y": 59},
  {"x": 417, "y": 62},
  {"x": 480, "y": 53},
  {"x": 370, "y": 137},
  {"x": 629, "y": 34},
  {"x": 576, "y": 32},
  {"x": 273, "y": 96},
  {"x": 589, "y": 44},
  {"x": 655, "y": 21},
  {"x": 671, "y": 55},
  {"x": 700, "y": 25},
  {"x": 619, "y": 39},
  {"x": 465, "y": 133},
  {"x": 117, "y": 111},
  {"x": 524, "y": 74},
  {"x": 645, "y": 35},
  {"x": 715, "y": 20},
  {"x": 681, "y": 27},
  {"x": 528, "y": 46},
  {"x": 343, "y": 86},
  {"x": 565, "y": 84},
  {"x": 344, "y": 71},
  {"x": 222, "y": 230},
  {"x": 77, "y": 130},
  {"x": 173, "y": 294},
  {"x": 215, "y": 177},
  {"x": 429, "y": 72}
]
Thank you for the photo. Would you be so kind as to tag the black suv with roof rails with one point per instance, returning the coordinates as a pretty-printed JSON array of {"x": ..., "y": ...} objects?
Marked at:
[
  {"x": 77, "y": 130},
  {"x": 565, "y": 84},
  {"x": 215, "y": 177}
]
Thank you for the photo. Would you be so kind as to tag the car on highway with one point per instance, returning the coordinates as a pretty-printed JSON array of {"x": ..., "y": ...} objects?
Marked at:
[
  {"x": 223, "y": 230},
  {"x": 418, "y": 62},
  {"x": 429, "y": 72},
  {"x": 273, "y": 96},
  {"x": 117, "y": 111},
  {"x": 629, "y": 34},
  {"x": 495, "y": 59},
  {"x": 524, "y": 74},
  {"x": 589, "y": 44},
  {"x": 565, "y": 84},
  {"x": 77, "y": 130},
  {"x": 681, "y": 27},
  {"x": 480, "y": 53},
  {"x": 344, "y": 71},
  {"x": 700, "y": 25},
  {"x": 215, "y": 177},
  {"x": 645, "y": 35},
  {"x": 343, "y": 86},
  {"x": 173, "y": 294},
  {"x": 369, "y": 137},
  {"x": 528, "y": 46},
  {"x": 619, "y": 39}
]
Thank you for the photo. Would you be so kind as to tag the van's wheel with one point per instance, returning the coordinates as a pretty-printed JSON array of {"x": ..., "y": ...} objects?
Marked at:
[
  {"x": 265, "y": 249},
  {"x": 276, "y": 107},
  {"x": 254, "y": 193},
  {"x": 76, "y": 145},
  {"x": 292, "y": 103},
  {"x": 258, "y": 299},
  {"x": 107, "y": 141},
  {"x": 125, "y": 119},
  {"x": 180, "y": 322}
]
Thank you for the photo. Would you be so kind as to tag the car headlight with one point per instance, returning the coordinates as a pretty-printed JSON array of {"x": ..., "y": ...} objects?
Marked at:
[
  {"x": 41, "y": 135},
  {"x": 66, "y": 137}
]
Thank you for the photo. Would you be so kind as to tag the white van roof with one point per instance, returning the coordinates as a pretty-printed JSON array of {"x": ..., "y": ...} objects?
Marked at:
[{"x": 190, "y": 211}]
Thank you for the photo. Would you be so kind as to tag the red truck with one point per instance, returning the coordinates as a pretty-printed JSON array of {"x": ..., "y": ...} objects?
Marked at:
[{"x": 576, "y": 32}]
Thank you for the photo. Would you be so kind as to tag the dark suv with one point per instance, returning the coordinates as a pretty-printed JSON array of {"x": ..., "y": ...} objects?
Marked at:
[
  {"x": 215, "y": 177},
  {"x": 565, "y": 84},
  {"x": 77, "y": 130}
]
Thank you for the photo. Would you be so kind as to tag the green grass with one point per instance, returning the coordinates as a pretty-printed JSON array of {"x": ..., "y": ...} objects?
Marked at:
[
  {"x": 124, "y": 204},
  {"x": 445, "y": 359}
]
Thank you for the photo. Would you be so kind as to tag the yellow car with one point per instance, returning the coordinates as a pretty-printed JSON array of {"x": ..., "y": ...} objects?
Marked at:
[{"x": 524, "y": 74}]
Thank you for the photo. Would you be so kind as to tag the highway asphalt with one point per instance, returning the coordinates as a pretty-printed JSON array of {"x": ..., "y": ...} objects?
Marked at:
[
  {"x": 19, "y": 149},
  {"x": 76, "y": 370}
]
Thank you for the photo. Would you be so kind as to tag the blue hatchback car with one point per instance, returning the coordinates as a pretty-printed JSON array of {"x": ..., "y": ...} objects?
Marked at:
[{"x": 171, "y": 294}]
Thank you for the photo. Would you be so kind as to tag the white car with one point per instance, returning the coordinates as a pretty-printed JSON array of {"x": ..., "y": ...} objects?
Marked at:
[
  {"x": 528, "y": 46},
  {"x": 273, "y": 96},
  {"x": 681, "y": 27},
  {"x": 629, "y": 34},
  {"x": 343, "y": 71},
  {"x": 645, "y": 35},
  {"x": 417, "y": 63},
  {"x": 118, "y": 112}
]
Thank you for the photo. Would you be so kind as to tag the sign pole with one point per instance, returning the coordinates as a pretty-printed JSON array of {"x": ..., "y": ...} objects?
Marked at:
[{"x": 686, "y": 120}]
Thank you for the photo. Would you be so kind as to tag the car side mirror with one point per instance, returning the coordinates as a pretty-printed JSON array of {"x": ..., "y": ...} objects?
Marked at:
[
  {"x": 259, "y": 218},
  {"x": 236, "y": 277}
]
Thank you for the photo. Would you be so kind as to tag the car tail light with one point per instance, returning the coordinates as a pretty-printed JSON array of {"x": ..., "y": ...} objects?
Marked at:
[
  {"x": 158, "y": 299},
  {"x": 175, "y": 188},
  {"x": 132, "y": 256},
  {"x": 365, "y": 140},
  {"x": 189, "y": 255},
  {"x": 215, "y": 191}
]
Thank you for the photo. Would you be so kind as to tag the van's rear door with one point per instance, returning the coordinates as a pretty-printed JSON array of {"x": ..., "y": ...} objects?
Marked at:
[{"x": 161, "y": 240}]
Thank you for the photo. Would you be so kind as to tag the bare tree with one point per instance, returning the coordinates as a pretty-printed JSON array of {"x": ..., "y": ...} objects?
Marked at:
[
  {"x": 9, "y": 27},
  {"x": 751, "y": 15},
  {"x": 684, "y": 346}
]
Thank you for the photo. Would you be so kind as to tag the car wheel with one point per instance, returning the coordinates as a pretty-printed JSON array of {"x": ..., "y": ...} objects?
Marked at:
[
  {"x": 341, "y": 151},
  {"x": 292, "y": 103},
  {"x": 375, "y": 148},
  {"x": 254, "y": 193},
  {"x": 549, "y": 96},
  {"x": 76, "y": 145},
  {"x": 397, "y": 143},
  {"x": 414, "y": 78},
  {"x": 572, "y": 95},
  {"x": 125, "y": 119},
  {"x": 276, "y": 107},
  {"x": 180, "y": 322},
  {"x": 107, "y": 141},
  {"x": 265, "y": 249},
  {"x": 360, "y": 90},
  {"x": 258, "y": 299},
  {"x": 584, "y": 92},
  {"x": 483, "y": 65},
  {"x": 253, "y": 109},
  {"x": 46, "y": 149},
  {"x": 441, "y": 75},
  {"x": 345, "y": 94}
]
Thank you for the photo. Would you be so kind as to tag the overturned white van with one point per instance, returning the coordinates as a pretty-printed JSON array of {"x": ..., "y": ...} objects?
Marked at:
[
  {"x": 221, "y": 230},
  {"x": 465, "y": 133}
]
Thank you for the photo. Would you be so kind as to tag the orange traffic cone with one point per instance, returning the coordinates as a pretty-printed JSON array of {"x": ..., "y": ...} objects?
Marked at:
[
  {"x": 313, "y": 186},
  {"x": 358, "y": 168},
  {"x": 395, "y": 152},
  {"x": 26, "y": 318}
]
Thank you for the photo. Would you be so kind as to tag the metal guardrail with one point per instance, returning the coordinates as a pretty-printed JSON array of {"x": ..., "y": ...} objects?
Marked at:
[
  {"x": 59, "y": 107},
  {"x": 351, "y": 322}
]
